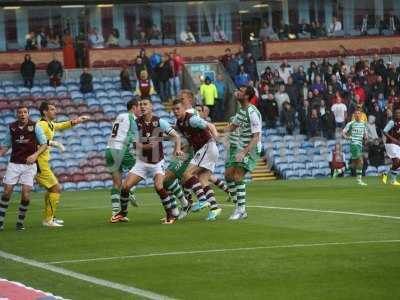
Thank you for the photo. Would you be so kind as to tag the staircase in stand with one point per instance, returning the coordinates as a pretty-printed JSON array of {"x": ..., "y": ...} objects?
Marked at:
[{"x": 262, "y": 171}]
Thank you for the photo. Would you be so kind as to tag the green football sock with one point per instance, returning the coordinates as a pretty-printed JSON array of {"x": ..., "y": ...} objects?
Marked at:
[
  {"x": 115, "y": 203},
  {"x": 177, "y": 191},
  {"x": 232, "y": 190},
  {"x": 241, "y": 195}
]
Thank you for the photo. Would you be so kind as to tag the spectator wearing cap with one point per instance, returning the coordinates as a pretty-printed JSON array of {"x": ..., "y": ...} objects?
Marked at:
[{"x": 209, "y": 94}]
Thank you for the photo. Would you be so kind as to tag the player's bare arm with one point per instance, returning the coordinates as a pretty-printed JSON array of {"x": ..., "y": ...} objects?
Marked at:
[
  {"x": 213, "y": 130},
  {"x": 177, "y": 140},
  {"x": 32, "y": 159}
]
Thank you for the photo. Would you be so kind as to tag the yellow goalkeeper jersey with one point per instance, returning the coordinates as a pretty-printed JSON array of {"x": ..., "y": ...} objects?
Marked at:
[{"x": 49, "y": 129}]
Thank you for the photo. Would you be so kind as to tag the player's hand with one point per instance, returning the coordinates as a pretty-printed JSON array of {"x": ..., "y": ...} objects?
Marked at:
[
  {"x": 57, "y": 145},
  {"x": 179, "y": 153},
  {"x": 240, "y": 156},
  {"x": 31, "y": 159},
  {"x": 82, "y": 119}
]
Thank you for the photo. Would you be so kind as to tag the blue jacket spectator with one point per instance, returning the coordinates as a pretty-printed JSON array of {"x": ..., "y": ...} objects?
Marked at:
[
  {"x": 242, "y": 79},
  {"x": 232, "y": 66}
]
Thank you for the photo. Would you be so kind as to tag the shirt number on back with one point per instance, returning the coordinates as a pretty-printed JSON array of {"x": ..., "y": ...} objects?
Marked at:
[{"x": 114, "y": 131}]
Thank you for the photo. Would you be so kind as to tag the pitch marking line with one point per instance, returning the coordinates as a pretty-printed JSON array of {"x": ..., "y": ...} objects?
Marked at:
[
  {"x": 223, "y": 250},
  {"x": 325, "y": 211},
  {"x": 105, "y": 283}
]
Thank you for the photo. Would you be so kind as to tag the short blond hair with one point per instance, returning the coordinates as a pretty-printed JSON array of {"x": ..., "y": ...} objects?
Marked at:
[{"x": 144, "y": 73}]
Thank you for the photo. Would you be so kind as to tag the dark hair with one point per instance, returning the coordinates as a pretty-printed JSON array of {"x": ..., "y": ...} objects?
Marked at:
[
  {"x": 21, "y": 106},
  {"x": 249, "y": 92},
  {"x": 177, "y": 101},
  {"x": 44, "y": 106},
  {"x": 131, "y": 103}
]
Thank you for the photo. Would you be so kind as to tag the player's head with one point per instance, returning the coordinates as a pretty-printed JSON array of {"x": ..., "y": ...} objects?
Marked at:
[
  {"x": 179, "y": 109},
  {"x": 22, "y": 114},
  {"x": 199, "y": 109},
  {"x": 187, "y": 98},
  {"x": 357, "y": 115},
  {"x": 146, "y": 107},
  {"x": 397, "y": 114},
  {"x": 133, "y": 107},
  {"x": 48, "y": 111}
]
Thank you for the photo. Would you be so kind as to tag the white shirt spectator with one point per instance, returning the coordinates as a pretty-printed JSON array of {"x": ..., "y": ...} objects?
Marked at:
[
  {"x": 281, "y": 98},
  {"x": 335, "y": 26},
  {"x": 339, "y": 110},
  {"x": 96, "y": 40},
  {"x": 285, "y": 73},
  {"x": 219, "y": 35},
  {"x": 187, "y": 37}
]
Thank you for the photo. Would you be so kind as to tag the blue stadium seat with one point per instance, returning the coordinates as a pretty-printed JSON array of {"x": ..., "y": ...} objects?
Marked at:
[
  {"x": 69, "y": 186},
  {"x": 291, "y": 174},
  {"x": 83, "y": 185},
  {"x": 305, "y": 173},
  {"x": 97, "y": 184},
  {"x": 76, "y": 96}
]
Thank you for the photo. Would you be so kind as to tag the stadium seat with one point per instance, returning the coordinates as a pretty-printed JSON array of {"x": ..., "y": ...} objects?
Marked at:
[{"x": 98, "y": 64}]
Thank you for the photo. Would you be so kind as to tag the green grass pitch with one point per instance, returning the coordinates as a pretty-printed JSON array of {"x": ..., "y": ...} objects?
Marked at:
[{"x": 263, "y": 257}]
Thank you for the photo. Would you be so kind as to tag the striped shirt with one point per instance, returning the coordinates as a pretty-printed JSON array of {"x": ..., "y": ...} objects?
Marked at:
[
  {"x": 357, "y": 132},
  {"x": 249, "y": 122}
]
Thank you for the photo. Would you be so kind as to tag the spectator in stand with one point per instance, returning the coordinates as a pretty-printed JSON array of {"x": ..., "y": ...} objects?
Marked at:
[
  {"x": 318, "y": 85},
  {"x": 288, "y": 117},
  {"x": 335, "y": 27},
  {"x": 329, "y": 95},
  {"x": 269, "y": 110},
  {"x": 303, "y": 31},
  {"x": 113, "y": 39},
  {"x": 219, "y": 35},
  {"x": 96, "y": 39},
  {"x": 81, "y": 45},
  {"x": 155, "y": 33},
  {"x": 372, "y": 132},
  {"x": 339, "y": 110},
  {"x": 314, "y": 124},
  {"x": 379, "y": 117},
  {"x": 209, "y": 94},
  {"x": 337, "y": 161},
  {"x": 30, "y": 41},
  {"x": 69, "y": 50},
  {"x": 125, "y": 79},
  {"x": 285, "y": 70},
  {"x": 303, "y": 116},
  {"x": 221, "y": 92},
  {"x": 299, "y": 77},
  {"x": 28, "y": 70},
  {"x": 86, "y": 81},
  {"x": 145, "y": 59},
  {"x": 267, "y": 33},
  {"x": 283, "y": 32},
  {"x": 226, "y": 57},
  {"x": 177, "y": 68},
  {"x": 139, "y": 66},
  {"x": 55, "y": 71},
  {"x": 53, "y": 40},
  {"x": 364, "y": 25},
  {"x": 393, "y": 24},
  {"x": 327, "y": 122},
  {"x": 316, "y": 100},
  {"x": 281, "y": 97},
  {"x": 250, "y": 67},
  {"x": 232, "y": 66},
  {"x": 293, "y": 92},
  {"x": 187, "y": 37},
  {"x": 144, "y": 86},
  {"x": 204, "y": 112},
  {"x": 382, "y": 101},
  {"x": 41, "y": 39},
  {"x": 242, "y": 78},
  {"x": 164, "y": 73},
  {"x": 312, "y": 71},
  {"x": 155, "y": 60}
]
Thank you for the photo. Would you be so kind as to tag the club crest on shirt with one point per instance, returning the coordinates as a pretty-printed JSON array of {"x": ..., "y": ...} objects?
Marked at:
[
  {"x": 30, "y": 128},
  {"x": 148, "y": 134},
  {"x": 155, "y": 123}
]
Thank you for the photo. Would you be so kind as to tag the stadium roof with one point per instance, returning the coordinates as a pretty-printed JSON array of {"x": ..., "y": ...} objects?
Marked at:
[{"x": 75, "y": 2}]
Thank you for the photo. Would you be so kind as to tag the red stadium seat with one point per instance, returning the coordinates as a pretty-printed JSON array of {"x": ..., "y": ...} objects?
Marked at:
[
  {"x": 42, "y": 66},
  {"x": 275, "y": 56},
  {"x": 385, "y": 51},
  {"x": 111, "y": 63},
  {"x": 91, "y": 177},
  {"x": 187, "y": 59},
  {"x": 396, "y": 50},
  {"x": 373, "y": 51},
  {"x": 286, "y": 55},
  {"x": 322, "y": 53},
  {"x": 334, "y": 53},
  {"x": 98, "y": 64},
  {"x": 299, "y": 54},
  {"x": 211, "y": 58},
  {"x": 123, "y": 62},
  {"x": 198, "y": 58},
  {"x": 78, "y": 178},
  {"x": 311, "y": 54},
  {"x": 5, "y": 67},
  {"x": 15, "y": 67},
  {"x": 360, "y": 52}
]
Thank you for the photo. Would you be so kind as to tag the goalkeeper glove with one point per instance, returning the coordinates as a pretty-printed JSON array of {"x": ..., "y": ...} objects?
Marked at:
[{"x": 57, "y": 145}]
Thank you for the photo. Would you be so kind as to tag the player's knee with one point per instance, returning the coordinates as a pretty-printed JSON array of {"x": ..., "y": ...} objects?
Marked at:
[{"x": 158, "y": 186}]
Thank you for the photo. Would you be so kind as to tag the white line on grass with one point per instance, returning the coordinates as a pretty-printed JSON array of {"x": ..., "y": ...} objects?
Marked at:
[
  {"x": 323, "y": 211},
  {"x": 105, "y": 283},
  {"x": 223, "y": 250}
]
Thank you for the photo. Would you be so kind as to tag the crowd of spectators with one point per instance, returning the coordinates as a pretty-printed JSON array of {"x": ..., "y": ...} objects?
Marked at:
[{"x": 368, "y": 25}]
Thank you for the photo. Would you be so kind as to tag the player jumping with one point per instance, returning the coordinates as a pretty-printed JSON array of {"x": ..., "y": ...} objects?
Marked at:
[
  {"x": 27, "y": 142},
  {"x": 45, "y": 176},
  {"x": 392, "y": 145},
  {"x": 149, "y": 160},
  {"x": 243, "y": 158},
  {"x": 356, "y": 131},
  {"x": 119, "y": 158},
  {"x": 201, "y": 135}
]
